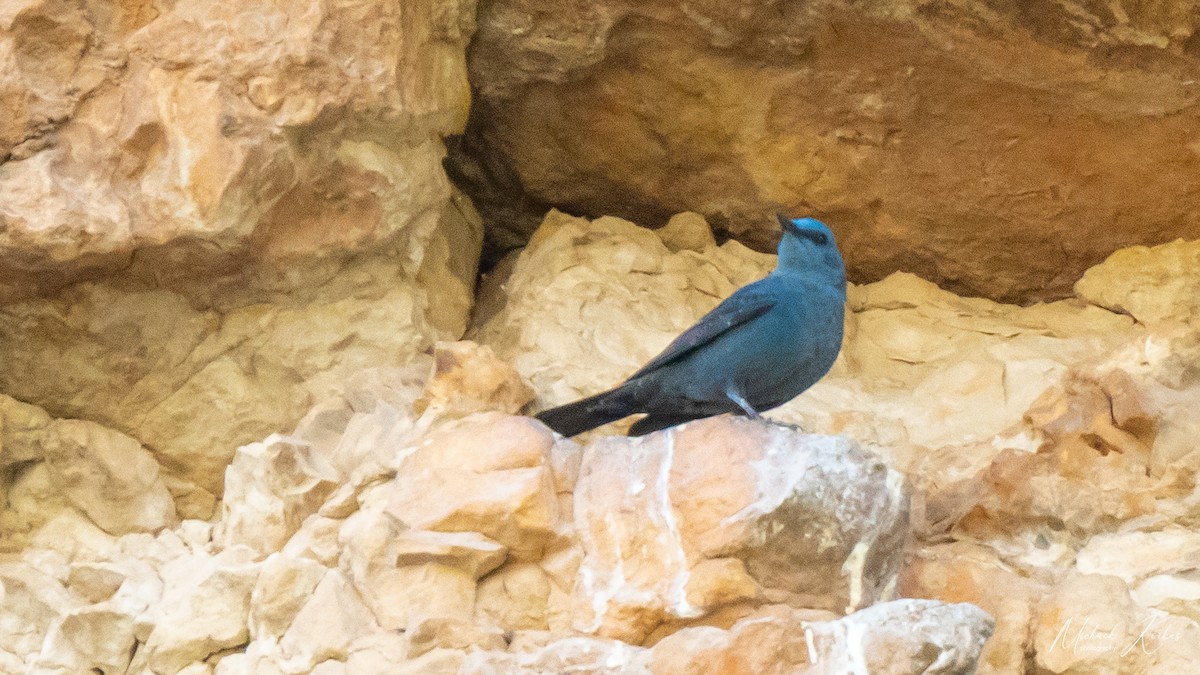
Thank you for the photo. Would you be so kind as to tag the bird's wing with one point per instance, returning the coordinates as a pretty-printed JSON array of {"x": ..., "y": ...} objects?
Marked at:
[{"x": 736, "y": 310}]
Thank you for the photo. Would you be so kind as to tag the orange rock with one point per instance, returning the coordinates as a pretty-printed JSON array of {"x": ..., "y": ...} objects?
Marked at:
[{"x": 677, "y": 524}]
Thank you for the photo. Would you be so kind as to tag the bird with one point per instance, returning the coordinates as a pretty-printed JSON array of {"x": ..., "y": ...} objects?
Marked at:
[{"x": 759, "y": 348}]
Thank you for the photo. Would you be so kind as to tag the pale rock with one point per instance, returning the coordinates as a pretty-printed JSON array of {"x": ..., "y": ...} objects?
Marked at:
[
  {"x": 283, "y": 587},
  {"x": 109, "y": 476},
  {"x": 31, "y": 500},
  {"x": 468, "y": 378},
  {"x": 901, "y": 637},
  {"x": 813, "y": 519},
  {"x": 370, "y": 442},
  {"x": 514, "y": 597},
  {"x": 403, "y": 574},
  {"x": 72, "y": 534},
  {"x": 91, "y": 639},
  {"x": 488, "y": 473},
  {"x": 333, "y": 617},
  {"x": 191, "y": 500},
  {"x": 22, "y": 427},
  {"x": 197, "y": 669},
  {"x": 31, "y": 602},
  {"x": 270, "y": 488},
  {"x": 436, "y": 662},
  {"x": 533, "y": 653},
  {"x": 95, "y": 581},
  {"x": 1086, "y": 625},
  {"x": 387, "y": 653},
  {"x": 587, "y": 303},
  {"x": 1136, "y": 556},
  {"x": 204, "y": 607},
  {"x": 316, "y": 539},
  {"x": 977, "y": 366},
  {"x": 428, "y": 634}
]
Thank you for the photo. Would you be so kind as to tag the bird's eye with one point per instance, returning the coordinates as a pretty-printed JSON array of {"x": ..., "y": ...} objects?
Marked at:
[{"x": 820, "y": 239}]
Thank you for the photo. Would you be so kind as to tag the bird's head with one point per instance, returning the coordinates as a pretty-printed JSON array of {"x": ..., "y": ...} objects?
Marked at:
[{"x": 808, "y": 246}]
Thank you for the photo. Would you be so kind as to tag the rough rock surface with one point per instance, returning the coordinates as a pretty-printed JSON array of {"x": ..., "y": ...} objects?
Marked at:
[
  {"x": 991, "y": 147},
  {"x": 426, "y": 538},
  {"x": 198, "y": 244},
  {"x": 1051, "y": 448},
  {"x": 723, "y": 511}
]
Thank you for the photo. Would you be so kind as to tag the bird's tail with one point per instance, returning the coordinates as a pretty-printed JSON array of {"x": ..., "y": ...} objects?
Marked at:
[{"x": 588, "y": 413}]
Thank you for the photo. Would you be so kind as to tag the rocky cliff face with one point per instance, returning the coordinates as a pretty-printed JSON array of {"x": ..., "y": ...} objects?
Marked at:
[
  {"x": 241, "y": 430},
  {"x": 999, "y": 149}
]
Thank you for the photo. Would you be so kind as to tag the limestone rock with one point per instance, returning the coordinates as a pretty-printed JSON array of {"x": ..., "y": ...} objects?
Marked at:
[
  {"x": 329, "y": 622},
  {"x": 204, "y": 608},
  {"x": 468, "y": 378},
  {"x": 588, "y": 303},
  {"x": 962, "y": 572},
  {"x": 989, "y": 148},
  {"x": 545, "y": 653},
  {"x": 270, "y": 488},
  {"x": 903, "y": 636},
  {"x": 514, "y": 597},
  {"x": 30, "y": 603},
  {"x": 487, "y": 473},
  {"x": 1151, "y": 284},
  {"x": 403, "y": 575},
  {"x": 284, "y": 586},
  {"x": 109, "y": 476},
  {"x": 197, "y": 245},
  {"x": 445, "y": 633},
  {"x": 92, "y": 639},
  {"x": 726, "y": 509}
]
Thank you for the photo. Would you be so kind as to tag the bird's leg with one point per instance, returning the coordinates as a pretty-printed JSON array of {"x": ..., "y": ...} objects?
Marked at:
[{"x": 742, "y": 403}]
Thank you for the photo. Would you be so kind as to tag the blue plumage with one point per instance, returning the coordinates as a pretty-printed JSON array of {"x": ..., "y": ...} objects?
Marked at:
[{"x": 760, "y": 348}]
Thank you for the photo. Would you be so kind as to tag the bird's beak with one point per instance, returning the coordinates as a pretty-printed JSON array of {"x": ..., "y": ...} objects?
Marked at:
[{"x": 786, "y": 223}]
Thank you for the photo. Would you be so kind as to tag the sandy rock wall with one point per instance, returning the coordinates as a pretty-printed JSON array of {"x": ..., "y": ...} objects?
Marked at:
[
  {"x": 1051, "y": 449},
  {"x": 214, "y": 215},
  {"x": 998, "y": 149}
]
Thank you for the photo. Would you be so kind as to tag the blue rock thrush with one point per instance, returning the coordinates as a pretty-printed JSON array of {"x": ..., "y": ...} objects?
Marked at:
[{"x": 760, "y": 348}]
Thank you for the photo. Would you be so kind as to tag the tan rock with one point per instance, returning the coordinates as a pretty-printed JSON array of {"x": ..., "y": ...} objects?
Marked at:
[
  {"x": 445, "y": 633},
  {"x": 1085, "y": 626},
  {"x": 514, "y": 597},
  {"x": 546, "y": 653},
  {"x": 109, "y": 476},
  {"x": 403, "y": 575},
  {"x": 1151, "y": 284},
  {"x": 687, "y": 232},
  {"x": 91, "y": 639},
  {"x": 468, "y": 378},
  {"x": 270, "y": 488},
  {"x": 825, "y": 110},
  {"x": 329, "y": 622},
  {"x": 903, "y": 636},
  {"x": 203, "y": 610},
  {"x": 961, "y": 572},
  {"x": 31, "y": 602},
  {"x": 487, "y": 473},
  {"x": 284, "y": 586},
  {"x": 814, "y": 519}
]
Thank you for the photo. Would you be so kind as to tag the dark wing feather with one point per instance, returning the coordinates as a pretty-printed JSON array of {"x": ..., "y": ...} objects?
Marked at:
[{"x": 736, "y": 310}]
